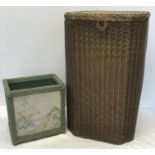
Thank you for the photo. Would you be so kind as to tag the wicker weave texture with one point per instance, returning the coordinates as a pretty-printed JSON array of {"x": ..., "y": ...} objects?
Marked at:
[
  {"x": 120, "y": 16},
  {"x": 105, "y": 64}
]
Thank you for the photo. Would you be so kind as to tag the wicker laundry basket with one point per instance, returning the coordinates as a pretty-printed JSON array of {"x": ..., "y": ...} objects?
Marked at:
[{"x": 105, "y": 54}]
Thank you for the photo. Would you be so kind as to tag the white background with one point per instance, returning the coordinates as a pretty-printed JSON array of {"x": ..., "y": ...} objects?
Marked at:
[{"x": 32, "y": 43}]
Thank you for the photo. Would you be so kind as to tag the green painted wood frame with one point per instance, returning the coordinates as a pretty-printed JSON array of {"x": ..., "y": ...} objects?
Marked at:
[{"x": 9, "y": 94}]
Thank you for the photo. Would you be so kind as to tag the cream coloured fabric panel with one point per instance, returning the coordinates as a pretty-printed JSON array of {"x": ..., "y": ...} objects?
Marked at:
[{"x": 37, "y": 112}]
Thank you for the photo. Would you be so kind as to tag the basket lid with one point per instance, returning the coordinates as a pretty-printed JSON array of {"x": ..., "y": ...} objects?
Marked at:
[{"x": 108, "y": 15}]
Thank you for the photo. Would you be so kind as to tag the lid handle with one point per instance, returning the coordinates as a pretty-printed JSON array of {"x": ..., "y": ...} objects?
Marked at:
[{"x": 100, "y": 25}]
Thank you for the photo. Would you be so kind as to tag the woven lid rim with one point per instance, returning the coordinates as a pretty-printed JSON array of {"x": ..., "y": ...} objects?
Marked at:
[{"x": 108, "y": 15}]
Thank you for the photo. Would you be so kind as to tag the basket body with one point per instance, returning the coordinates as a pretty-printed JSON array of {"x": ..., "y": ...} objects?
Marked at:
[{"x": 105, "y": 64}]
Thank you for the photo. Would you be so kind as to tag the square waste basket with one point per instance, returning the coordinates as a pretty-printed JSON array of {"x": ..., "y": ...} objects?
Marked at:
[{"x": 35, "y": 106}]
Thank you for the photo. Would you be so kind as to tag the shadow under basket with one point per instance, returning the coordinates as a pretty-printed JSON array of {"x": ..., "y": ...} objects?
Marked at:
[
  {"x": 105, "y": 53},
  {"x": 35, "y": 107}
]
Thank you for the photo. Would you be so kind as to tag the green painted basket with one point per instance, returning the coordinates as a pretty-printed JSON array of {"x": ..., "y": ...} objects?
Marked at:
[{"x": 35, "y": 106}]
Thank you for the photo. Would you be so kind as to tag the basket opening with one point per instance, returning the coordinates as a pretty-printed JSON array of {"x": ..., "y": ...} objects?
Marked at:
[{"x": 32, "y": 84}]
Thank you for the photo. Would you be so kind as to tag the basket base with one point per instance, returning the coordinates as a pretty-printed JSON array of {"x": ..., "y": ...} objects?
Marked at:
[{"x": 102, "y": 139}]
